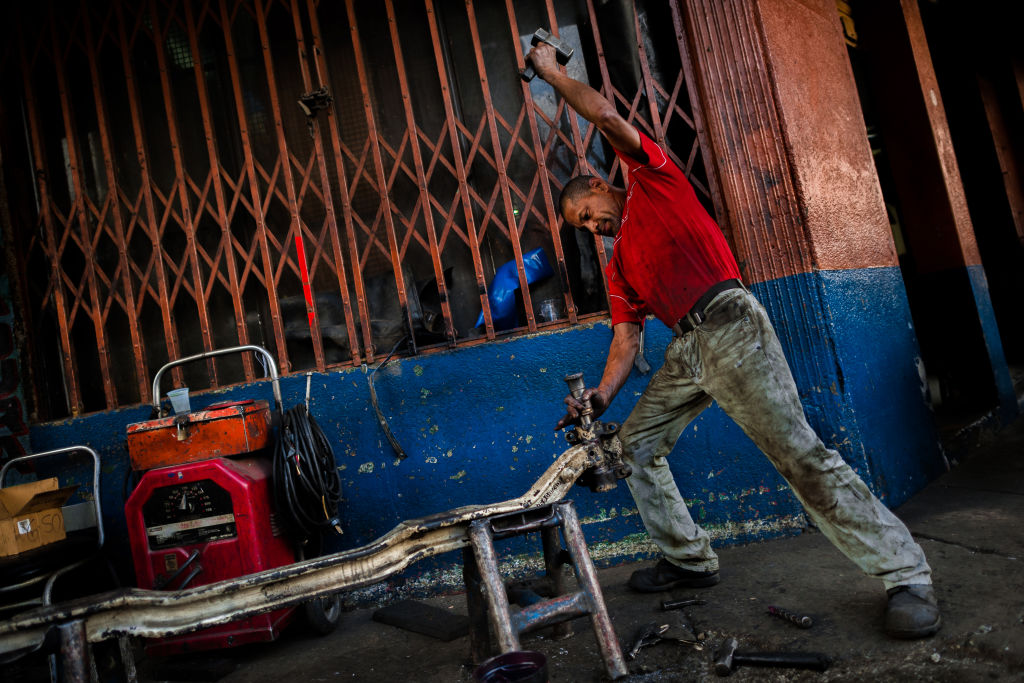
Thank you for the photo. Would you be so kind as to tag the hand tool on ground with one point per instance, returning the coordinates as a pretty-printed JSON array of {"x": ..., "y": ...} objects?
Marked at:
[
  {"x": 654, "y": 633},
  {"x": 801, "y": 620},
  {"x": 727, "y": 658},
  {"x": 686, "y": 624},
  {"x": 676, "y": 604},
  {"x": 648, "y": 634},
  {"x": 563, "y": 52}
]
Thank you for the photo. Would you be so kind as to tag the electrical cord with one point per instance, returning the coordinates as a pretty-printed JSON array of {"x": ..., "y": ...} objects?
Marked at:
[
  {"x": 307, "y": 488},
  {"x": 392, "y": 439}
]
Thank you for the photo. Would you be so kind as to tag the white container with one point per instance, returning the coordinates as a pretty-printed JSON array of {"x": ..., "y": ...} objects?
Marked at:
[{"x": 179, "y": 400}]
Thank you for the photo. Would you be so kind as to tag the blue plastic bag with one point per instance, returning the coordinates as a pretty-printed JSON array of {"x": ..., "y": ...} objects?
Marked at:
[{"x": 502, "y": 292}]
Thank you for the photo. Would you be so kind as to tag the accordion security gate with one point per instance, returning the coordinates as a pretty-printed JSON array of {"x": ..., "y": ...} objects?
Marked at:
[{"x": 330, "y": 180}]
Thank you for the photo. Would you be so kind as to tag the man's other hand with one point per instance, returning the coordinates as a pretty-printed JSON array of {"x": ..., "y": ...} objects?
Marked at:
[
  {"x": 542, "y": 56},
  {"x": 574, "y": 407}
]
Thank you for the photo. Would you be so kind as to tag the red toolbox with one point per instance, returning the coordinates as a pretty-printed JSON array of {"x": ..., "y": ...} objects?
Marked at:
[{"x": 224, "y": 429}]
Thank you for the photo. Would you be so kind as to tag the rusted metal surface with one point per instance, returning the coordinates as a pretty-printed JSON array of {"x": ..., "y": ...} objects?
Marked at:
[
  {"x": 153, "y": 614},
  {"x": 225, "y": 216},
  {"x": 219, "y": 431},
  {"x": 507, "y": 623},
  {"x": 235, "y": 428},
  {"x": 586, "y": 575},
  {"x": 75, "y": 655}
]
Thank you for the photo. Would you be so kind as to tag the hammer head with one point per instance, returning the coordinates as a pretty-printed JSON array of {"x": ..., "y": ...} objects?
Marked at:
[
  {"x": 563, "y": 51},
  {"x": 724, "y": 657}
]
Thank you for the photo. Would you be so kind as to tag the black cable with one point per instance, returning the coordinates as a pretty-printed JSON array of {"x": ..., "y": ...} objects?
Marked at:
[
  {"x": 307, "y": 488},
  {"x": 383, "y": 421}
]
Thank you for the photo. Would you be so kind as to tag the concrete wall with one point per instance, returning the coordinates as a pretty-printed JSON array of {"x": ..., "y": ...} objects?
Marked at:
[{"x": 477, "y": 425}]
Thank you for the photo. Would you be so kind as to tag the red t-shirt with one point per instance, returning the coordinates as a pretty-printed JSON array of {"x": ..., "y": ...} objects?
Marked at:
[{"x": 668, "y": 250}]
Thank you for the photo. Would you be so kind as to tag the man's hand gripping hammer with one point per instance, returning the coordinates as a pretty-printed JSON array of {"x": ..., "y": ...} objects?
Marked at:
[{"x": 563, "y": 52}]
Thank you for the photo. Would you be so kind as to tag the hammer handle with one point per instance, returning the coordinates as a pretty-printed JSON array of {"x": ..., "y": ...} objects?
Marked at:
[{"x": 790, "y": 660}]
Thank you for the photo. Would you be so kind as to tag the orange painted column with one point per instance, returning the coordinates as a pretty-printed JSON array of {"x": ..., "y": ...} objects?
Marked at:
[{"x": 805, "y": 210}]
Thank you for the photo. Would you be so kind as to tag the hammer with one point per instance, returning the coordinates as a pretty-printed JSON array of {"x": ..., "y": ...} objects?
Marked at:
[
  {"x": 563, "y": 52},
  {"x": 727, "y": 659}
]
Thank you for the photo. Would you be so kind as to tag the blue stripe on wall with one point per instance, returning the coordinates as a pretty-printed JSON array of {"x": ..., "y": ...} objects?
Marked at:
[
  {"x": 477, "y": 425},
  {"x": 1005, "y": 394}
]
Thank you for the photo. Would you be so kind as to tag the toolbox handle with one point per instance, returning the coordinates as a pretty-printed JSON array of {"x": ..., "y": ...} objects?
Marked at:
[{"x": 220, "y": 352}]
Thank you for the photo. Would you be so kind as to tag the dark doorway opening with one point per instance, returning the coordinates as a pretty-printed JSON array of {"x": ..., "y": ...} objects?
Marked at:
[{"x": 959, "y": 262}]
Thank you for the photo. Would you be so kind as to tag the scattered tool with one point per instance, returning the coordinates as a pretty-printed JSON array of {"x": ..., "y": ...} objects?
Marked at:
[
  {"x": 676, "y": 604},
  {"x": 686, "y": 623},
  {"x": 563, "y": 52},
  {"x": 727, "y": 659},
  {"x": 648, "y": 634},
  {"x": 654, "y": 633},
  {"x": 801, "y": 620}
]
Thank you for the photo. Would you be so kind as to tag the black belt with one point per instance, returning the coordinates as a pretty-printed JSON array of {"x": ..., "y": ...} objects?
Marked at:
[{"x": 697, "y": 314}]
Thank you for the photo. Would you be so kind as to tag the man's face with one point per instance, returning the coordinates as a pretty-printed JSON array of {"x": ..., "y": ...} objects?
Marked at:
[{"x": 598, "y": 212}]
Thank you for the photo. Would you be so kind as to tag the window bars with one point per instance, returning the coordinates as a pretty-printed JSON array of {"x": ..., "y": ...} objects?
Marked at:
[{"x": 325, "y": 179}]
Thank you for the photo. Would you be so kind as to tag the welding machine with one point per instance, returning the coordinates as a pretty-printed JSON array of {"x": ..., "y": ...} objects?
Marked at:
[{"x": 203, "y": 511}]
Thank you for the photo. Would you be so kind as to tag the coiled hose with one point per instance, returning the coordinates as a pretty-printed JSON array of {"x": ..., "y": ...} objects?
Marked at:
[{"x": 307, "y": 488}]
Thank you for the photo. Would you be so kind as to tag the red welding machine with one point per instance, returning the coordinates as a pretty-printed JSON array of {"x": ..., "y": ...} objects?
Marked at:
[{"x": 201, "y": 516}]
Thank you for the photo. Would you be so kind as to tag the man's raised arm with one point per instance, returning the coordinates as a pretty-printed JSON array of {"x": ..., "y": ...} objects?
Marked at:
[{"x": 588, "y": 102}]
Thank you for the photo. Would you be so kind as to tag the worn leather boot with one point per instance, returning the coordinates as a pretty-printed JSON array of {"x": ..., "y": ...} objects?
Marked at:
[
  {"x": 913, "y": 612},
  {"x": 666, "y": 576}
]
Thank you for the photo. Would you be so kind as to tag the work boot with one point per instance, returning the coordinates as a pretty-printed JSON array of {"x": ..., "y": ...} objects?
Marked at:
[
  {"x": 913, "y": 612},
  {"x": 666, "y": 576}
]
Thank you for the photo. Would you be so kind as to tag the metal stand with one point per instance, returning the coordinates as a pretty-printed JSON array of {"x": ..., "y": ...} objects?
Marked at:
[{"x": 487, "y": 599}]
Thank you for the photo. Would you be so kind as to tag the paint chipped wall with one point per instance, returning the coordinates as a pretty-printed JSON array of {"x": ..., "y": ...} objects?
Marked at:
[{"x": 477, "y": 425}]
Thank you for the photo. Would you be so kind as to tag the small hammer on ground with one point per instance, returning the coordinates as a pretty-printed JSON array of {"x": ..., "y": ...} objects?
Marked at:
[
  {"x": 727, "y": 659},
  {"x": 563, "y": 52}
]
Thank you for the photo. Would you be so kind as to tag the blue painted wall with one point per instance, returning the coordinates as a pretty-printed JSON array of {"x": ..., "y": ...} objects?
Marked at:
[
  {"x": 477, "y": 426},
  {"x": 1005, "y": 393}
]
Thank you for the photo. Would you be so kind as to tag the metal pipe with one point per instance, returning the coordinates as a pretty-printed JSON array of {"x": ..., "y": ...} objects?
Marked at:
[
  {"x": 74, "y": 652},
  {"x": 493, "y": 587},
  {"x": 271, "y": 366},
  {"x": 154, "y": 614},
  {"x": 586, "y": 574}
]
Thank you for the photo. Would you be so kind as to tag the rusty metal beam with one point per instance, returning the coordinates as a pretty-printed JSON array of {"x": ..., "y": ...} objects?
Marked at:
[
  {"x": 460, "y": 167},
  {"x": 284, "y": 160},
  {"x": 79, "y": 211},
  {"x": 49, "y": 224},
  {"x": 412, "y": 131},
  {"x": 331, "y": 222},
  {"x": 148, "y": 222},
  {"x": 543, "y": 175},
  {"x": 504, "y": 183},
  {"x": 113, "y": 203},
  {"x": 320, "y": 64},
  {"x": 152, "y": 614},
  {"x": 378, "y": 166}
]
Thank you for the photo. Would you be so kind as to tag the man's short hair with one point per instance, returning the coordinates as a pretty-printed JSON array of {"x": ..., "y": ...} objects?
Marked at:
[{"x": 575, "y": 189}]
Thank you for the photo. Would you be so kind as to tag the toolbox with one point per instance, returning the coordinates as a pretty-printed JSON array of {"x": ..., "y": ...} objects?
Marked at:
[{"x": 222, "y": 429}]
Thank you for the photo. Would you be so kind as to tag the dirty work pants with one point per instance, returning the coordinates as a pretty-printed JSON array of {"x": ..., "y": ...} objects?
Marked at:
[{"x": 735, "y": 358}]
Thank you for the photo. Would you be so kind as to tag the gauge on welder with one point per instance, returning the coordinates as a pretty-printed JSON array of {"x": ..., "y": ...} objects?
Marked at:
[{"x": 188, "y": 513}]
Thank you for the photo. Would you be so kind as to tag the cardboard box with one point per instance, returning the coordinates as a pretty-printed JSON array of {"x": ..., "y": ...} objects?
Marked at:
[{"x": 30, "y": 515}]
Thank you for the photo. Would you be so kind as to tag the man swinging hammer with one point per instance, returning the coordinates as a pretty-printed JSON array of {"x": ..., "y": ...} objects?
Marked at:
[{"x": 671, "y": 260}]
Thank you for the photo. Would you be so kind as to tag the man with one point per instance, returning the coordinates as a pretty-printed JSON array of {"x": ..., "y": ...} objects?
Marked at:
[{"x": 671, "y": 260}]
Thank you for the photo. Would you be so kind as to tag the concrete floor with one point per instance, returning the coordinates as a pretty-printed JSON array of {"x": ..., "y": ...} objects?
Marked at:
[{"x": 970, "y": 523}]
